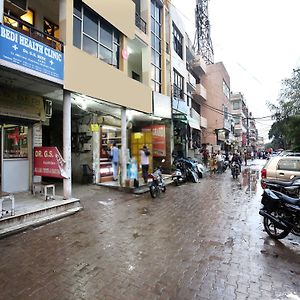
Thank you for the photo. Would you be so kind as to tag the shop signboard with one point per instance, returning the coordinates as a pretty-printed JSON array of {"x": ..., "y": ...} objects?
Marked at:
[
  {"x": 48, "y": 162},
  {"x": 158, "y": 139},
  {"x": 26, "y": 54}
]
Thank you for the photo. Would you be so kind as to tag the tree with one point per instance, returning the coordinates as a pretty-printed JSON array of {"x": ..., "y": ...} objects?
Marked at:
[{"x": 285, "y": 132}]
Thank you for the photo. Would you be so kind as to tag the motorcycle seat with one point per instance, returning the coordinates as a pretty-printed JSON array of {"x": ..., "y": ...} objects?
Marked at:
[
  {"x": 288, "y": 199},
  {"x": 281, "y": 183}
]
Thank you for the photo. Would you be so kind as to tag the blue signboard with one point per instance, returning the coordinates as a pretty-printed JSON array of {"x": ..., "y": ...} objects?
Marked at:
[{"x": 25, "y": 54}]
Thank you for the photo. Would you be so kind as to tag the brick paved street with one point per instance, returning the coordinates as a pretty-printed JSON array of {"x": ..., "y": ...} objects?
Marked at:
[{"x": 198, "y": 241}]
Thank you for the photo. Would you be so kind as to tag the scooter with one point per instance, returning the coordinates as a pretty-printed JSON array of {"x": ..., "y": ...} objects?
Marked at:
[
  {"x": 156, "y": 182},
  {"x": 179, "y": 175},
  {"x": 235, "y": 170}
]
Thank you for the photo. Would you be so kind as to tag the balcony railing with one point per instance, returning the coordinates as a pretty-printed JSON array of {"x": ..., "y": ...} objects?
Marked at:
[
  {"x": 32, "y": 32},
  {"x": 140, "y": 23}
]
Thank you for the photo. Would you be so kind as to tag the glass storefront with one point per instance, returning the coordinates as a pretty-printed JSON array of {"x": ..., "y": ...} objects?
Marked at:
[{"x": 15, "y": 142}]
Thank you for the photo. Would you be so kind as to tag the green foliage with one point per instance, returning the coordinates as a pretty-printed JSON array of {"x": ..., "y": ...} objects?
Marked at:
[{"x": 285, "y": 132}]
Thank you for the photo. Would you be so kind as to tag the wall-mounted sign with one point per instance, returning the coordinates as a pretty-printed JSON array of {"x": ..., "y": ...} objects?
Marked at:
[
  {"x": 48, "y": 162},
  {"x": 125, "y": 54},
  {"x": 25, "y": 54},
  {"x": 158, "y": 139},
  {"x": 94, "y": 127}
]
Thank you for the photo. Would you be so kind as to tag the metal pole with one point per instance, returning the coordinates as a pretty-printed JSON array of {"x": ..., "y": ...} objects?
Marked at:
[
  {"x": 96, "y": 151},
  {"x": 124, "y": 146},
  {"x": 67, "y": 182},
  {"x": 1, "y": 10}
]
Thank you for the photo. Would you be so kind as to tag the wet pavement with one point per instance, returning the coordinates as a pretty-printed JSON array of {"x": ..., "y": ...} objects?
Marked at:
[{"x": 197, "y": 241}]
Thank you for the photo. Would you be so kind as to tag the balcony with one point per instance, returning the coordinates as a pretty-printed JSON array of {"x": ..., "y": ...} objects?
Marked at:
[
  {"x": 200, "y": 93},
  {"x": 198, "y": 65},
  {"x": 32, "y": 32},
  {"x": 140, "y": 23},
  {"x": 191, "y": 82}
]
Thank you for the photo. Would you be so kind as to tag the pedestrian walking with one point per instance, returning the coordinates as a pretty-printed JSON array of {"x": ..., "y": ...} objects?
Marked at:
[
  {"x": 213, "y": 164},
  {"x": 144, "y": 159},
  {"x": 219, "y": 159},
  {"x": 114, "y": 155}
]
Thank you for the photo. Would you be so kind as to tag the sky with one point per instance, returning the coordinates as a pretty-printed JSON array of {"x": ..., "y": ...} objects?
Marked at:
[{"x": 258, "y": 42}]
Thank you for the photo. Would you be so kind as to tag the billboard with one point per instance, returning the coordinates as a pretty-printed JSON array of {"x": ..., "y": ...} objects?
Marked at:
[{"x": 21, "y": 52}]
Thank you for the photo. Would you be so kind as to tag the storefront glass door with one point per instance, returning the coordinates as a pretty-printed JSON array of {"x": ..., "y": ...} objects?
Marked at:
[{"x": 14, "y": 158}]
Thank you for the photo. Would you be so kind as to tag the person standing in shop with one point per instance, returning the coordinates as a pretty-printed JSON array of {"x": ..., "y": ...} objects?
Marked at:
[
  {"x": 114, "y": 154},
  {"x": 144, "y": 158}
]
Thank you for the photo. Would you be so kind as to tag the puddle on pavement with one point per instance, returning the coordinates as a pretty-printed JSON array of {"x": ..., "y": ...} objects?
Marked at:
[
  {"x": 144, "y": 211},
  {"x": 108, "y": 202}
]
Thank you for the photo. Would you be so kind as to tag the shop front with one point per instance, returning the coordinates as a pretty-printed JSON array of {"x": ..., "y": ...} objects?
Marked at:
[{"x": 19, "y": 113}]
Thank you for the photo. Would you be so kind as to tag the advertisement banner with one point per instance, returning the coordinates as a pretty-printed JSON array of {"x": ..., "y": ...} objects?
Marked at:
[
  {"x": 26, "y": 54},
  {"x": 48, "y": 162},
  {"x": 158, "y": 139}
]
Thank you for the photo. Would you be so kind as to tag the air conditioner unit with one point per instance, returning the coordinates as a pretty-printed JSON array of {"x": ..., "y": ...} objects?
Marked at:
[{"x": 16, "y": 7}]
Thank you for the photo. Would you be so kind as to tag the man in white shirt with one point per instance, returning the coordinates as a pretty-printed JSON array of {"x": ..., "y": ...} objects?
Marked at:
[
  {"x": 219, "y": 162},
  {"x": 144, "y": 158}
]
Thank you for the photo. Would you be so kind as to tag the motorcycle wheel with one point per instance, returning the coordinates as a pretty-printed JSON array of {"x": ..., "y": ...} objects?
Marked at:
[
  {"x": 176, "y": 182},
  {"x": 153, "y": 191},
  {"x": 163, "y": 189},
  {"x": 273, "y": 231}
]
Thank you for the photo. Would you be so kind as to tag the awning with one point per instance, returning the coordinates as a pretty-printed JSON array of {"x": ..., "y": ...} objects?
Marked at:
[{"x": 194, "y": 123}]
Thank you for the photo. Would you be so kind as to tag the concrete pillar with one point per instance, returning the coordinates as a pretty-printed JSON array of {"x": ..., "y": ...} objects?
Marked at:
[
  {"x": 96, "y": 151},
  {"x": 124, "y": 146},
  {"x": 1, "y": 10},
  {"x": 67, "y": 184}
]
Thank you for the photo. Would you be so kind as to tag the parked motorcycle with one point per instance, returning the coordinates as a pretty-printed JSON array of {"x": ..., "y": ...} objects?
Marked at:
[
  {"x": 179, "y": 176},
  {"x": 235, "y": 170},
  {"x": 197, "y": 166},
  {"x": 281, "y": 214},
  {"x": 156, "y": 182},
  {"x": 290, "y": 188}
]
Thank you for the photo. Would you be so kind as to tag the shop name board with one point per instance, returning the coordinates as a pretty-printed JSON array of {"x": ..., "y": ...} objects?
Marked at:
[
  {"x": 158, "y": 139},
  {"x": 48, "y": 162},
  {"x": 25, "y": 54}
]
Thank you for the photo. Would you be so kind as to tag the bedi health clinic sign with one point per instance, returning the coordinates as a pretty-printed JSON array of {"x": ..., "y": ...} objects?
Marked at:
[{"x": 25, "y": 54}]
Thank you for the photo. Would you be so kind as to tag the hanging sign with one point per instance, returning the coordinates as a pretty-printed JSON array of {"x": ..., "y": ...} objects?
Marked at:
[
  {"x": 48, "y": 162},
  {"x": 94, "y": 127}
]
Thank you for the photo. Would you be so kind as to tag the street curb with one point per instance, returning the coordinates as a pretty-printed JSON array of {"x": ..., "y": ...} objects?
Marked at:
[{"x": 36, "y": 223}]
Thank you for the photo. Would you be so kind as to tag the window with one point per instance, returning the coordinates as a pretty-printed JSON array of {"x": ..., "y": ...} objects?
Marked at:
[
  {"x": 94, "y": 35},
  {"x": 155, "y": 46},
  {"x": 237, "y": 120},
  {"x": 226, "y": 89},
  {"x": 15, "y": 142},
  {"x": 178, "y": 85},
  {"x": 27, "y": 18},
  {"x": 289, "y": 165},
  {"x": 236, "y": 105},
  {"x": 51, "y": 28},
  {"x": 225, "y": 112},
  {"x": 177, "y": 41}
]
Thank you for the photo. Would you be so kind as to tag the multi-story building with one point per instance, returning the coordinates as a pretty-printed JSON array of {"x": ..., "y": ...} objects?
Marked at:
[
  {"x": 240, "y": 115},
  {"x": 186, "y": 111},
  {"x": 79, "y": 75},
  {"x": 252, "y": 134},
  {"x": 217, "y": 108}
]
